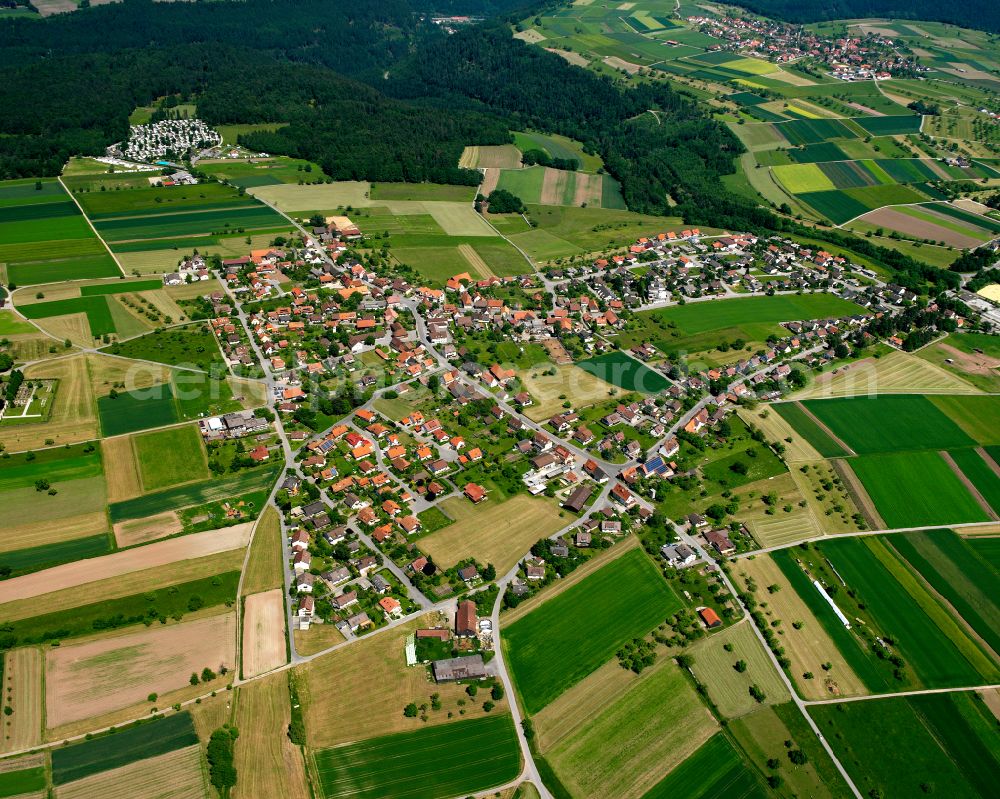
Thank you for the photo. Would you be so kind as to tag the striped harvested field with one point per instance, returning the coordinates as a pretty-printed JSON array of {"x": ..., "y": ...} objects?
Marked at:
[
  {"x": 896, "y": 373},
  {"x": 264, "y": 568},
  {"x": 775, "y": 428},
  {"x": 150, "y": 528},
  {"x": 164, "y": 553},
  {"x": 175, "y": 775},
  {"x": 263, "y": 632},
  {"x": 268, "y": 763},
  {"x": 808, "y": 647},
  {"x": 115, "y": 587},
  {"x": 476, "y": 261},
  {"x": 22, "y": 679},
  {"x": 53, "y": 531},
  {"x": 120, "y": 469}
]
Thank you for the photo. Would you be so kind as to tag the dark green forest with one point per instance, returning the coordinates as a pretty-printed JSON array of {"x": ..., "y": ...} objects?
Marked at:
[
  {"x": 368, "y": 89},
  {"x": 984, "y": 14}
]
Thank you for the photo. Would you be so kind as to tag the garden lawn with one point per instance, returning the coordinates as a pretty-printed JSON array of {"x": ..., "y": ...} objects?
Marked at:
[
  {"x": 902, "y": 746},
  {"x": 455, "y": 759},
  {"x": 916, "y": 489},
  {"x": 626, "y": 372},
  {"x": 887, "y": 423},
  {"x": 569, "y": 636},
  {"x": 170, "y": 457},
  {"x": 936, "y": 649}
]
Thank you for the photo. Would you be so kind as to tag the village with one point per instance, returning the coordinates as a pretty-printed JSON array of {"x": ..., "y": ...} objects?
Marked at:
[
  {"x": 871, "y": 56},
  {"x": 346, "y": 350}
]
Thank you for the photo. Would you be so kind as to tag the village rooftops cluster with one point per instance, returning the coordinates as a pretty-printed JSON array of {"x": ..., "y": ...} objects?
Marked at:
[
  {"x": 168, "y": 138},
  {"x": 870, "y": 56}
]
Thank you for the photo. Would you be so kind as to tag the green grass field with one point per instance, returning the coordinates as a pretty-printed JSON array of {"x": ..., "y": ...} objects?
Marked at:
[
  {"x": 11, "y": 325},
  {"x": 565, "y": 231},
  {"x": 56, "y": 465},
  {"x": 981, "y": 474},
  {"x": 172, "y": 602},
  {"x": 889, "y": 423},
  {"x": 906, "y": 747},
  {"x": 120, "y": 287},
  {"x": 157, "y": 200},
  {"x": 702, "y": 317},
  {"x": 422, "y": 191},
  {"x": 137, "y": 410},
  {"x": 625, "y": 372},
  {"x": 170, "y": 457},
  {"x": 23, "y": 561},
  {"x": 914, "y": 489},
  {"x": 200, "y": 493},
  {"x": 191, "y": 346},
  {"x": 875, "y": 673},
  {"x": 566, "y": 638},
  {"x": 454, "y": 759},
  {"x": 44, "y": 238},
  {"x": 23, "y": 782},
  {"x": 97, "y": 310},
  {"x": 979, "y": 416},
  {"x": 31, "y": 273},
  {"x": 126, "y": 746},
  {"x": 154, "y": 225},
  {"x": 956, "y": 569},
  {"x": 714, "y": 771},
  {"x": 938, "y": 652},
  {"x": 792, "y": 413},
  {"x": 799, "y": 178},
  {"x": 189, "y": 395}
]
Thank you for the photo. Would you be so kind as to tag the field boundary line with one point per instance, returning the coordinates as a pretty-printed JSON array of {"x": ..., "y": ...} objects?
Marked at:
[
  {"x": 959, "y": 527},
  {"x": 891, "y": 205},
  {"x": 963, "y": 624},
  {"x": 859, "y": 494},
  {"x": 969, "y": 485},
  {"x": 93, "y": 229},
  {"x": 822, "y": 426},
  {"x": 994, "y": 466},
  {"x": 920, "y": 692}
]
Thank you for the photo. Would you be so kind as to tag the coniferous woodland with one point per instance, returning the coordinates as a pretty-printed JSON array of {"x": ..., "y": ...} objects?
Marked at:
[{"x": 368, "y": 89}]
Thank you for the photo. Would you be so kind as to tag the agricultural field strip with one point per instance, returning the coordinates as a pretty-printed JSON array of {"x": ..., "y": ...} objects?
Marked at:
[
  {"x": 161, "y": 553},
  {"x": 549, "y": 632}
]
